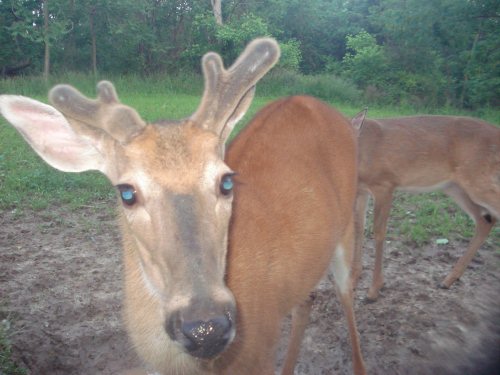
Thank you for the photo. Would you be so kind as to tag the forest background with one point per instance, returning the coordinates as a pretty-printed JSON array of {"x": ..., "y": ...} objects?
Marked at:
[{"x": 422, "y": 53}]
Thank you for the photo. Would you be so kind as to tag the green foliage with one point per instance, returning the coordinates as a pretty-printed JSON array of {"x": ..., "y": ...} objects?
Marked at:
[
  {"x": 483, "y": 73},
  {"x": 420, "y": 219},
  {"x": 231, "y": 38},
  {"x": 365, "y": 61},
  {"x": 237, "y": 33},
  {"x": 425, "y": 53},
  {"x": 19, "y": 35},
  {"x": 291, "y": 55},
  {"x": 442, "y": 44},
  {"x": 427, "y": 217},
  {"x": 280, "y": 82}
]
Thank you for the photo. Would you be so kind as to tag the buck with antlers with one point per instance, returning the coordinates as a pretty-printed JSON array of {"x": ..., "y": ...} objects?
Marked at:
[
  {"x": 457, "y": 155},
  {"x": 203, "y": 296}
]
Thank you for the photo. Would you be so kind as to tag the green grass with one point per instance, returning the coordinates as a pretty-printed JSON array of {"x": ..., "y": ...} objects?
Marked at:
[{"x": 419, "y": 219}]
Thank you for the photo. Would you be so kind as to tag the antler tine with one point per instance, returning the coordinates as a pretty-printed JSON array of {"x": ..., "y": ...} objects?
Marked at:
[
  {"x": 106, "y": 113},
  {"x": 225, "y": 90},
  {"x": 72, "y": 103},
  {"x": 106, "y": 92}
]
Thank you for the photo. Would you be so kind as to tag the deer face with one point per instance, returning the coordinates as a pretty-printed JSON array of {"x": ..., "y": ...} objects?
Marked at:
[
  {"x": 176, "y": 206},
  {"x": 174, "y": 189}
]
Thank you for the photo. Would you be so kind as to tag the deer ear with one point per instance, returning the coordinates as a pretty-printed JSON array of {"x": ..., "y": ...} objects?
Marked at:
[
  {"x": 357, "y": 121},
  {"x": 48, "y": 132}
]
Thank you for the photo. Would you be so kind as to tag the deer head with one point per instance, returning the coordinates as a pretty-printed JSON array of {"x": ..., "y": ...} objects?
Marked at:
[{"x": 174, "y": 188}]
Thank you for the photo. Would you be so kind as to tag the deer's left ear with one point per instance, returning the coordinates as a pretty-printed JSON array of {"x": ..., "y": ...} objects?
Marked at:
[
  {"x": 357, "y": 121},
  {"x": 48, "y": 132}
]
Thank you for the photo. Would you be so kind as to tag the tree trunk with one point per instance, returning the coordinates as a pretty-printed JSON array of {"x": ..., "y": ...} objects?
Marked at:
[
  {"x": 93, "y": 38},
  {"x": 217, "y": 8},
  {"x": 70, "y": 48},
  {"x": 466, "y": 69},
  {"x": 46, "y": 66}
]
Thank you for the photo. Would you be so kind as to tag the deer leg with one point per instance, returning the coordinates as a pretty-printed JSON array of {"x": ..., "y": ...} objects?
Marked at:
[
  {"x": 300, "y": 319},
  {"x": 484, "y": 224},
  {"x": 359, "y": 220},
  {"x": 341, "y": 266},
  {"x": 382, "y": 208},
  {"x": 346, "y": 300}
]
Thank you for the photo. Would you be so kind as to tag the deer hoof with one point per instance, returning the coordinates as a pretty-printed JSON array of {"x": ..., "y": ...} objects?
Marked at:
[{"x": 371, "y": 298}]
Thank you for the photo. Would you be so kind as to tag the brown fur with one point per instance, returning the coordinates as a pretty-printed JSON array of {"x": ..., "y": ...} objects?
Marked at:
[
  {"x": 293, "y": 207},
  {"x": 458, "y": 155}
]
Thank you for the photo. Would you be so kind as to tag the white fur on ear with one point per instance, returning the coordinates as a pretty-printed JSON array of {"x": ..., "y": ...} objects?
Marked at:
[{"x": 48, "y": 132}]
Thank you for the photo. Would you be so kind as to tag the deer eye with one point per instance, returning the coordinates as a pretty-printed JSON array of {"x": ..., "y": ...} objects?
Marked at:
[
  {"x": 127, "y": 194},
  {"x": 226, "y": 184}
]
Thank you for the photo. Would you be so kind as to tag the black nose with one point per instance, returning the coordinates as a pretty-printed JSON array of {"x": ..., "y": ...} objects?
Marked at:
[
  {"x": 207, "y": 339},
  {"x": 202, "y": 338}
]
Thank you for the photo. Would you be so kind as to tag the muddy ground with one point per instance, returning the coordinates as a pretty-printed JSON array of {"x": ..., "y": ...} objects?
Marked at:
[{"x": 61, "y": 291}]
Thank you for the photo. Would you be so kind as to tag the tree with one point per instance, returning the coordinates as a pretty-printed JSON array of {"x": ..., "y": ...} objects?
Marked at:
[
  {"x": 217, "y": 8},
  {"x": 20, "y": 36},
  {"x": 427, "y": 51},
  {"x": 437, "y": 46},
  {"x": 93, "y": 38},
  {"x": 46, "y": 42}
]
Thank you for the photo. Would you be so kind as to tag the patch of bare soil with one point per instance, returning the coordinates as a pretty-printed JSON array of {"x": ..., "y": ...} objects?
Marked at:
[{"x": 61, "y": 291}]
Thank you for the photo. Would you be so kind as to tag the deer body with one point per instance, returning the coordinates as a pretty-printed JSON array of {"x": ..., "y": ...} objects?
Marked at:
[
  {"x": 457, "y": 155},
  {"x": 295, "y": 191},
  {"x": 191, "y": 305}
]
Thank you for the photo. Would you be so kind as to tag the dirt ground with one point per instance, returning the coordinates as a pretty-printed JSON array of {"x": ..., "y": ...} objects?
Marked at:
[{"x": 61, "y": 291}]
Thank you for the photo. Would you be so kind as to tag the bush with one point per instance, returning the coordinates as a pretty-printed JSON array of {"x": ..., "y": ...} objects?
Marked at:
[
  {"x": 291, "y": 55},
  {"x": 365, "y": 62},
  {"x": 280, "y": 82}
]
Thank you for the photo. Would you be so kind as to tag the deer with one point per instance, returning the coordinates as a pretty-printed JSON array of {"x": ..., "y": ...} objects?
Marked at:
[
  {"x": 219, "y": 244},
  {"x": 459, "y": 156}
]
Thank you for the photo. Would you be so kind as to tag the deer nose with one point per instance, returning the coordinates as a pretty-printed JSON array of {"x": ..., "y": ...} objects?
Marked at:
[{"x": 205, "y": 338}]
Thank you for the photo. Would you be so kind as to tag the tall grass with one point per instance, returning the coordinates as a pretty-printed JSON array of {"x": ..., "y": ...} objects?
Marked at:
[
  {"x": 186, "y": 83},
  {"x": 170, "y": 92},
  {"x": 323, "y": 86}
]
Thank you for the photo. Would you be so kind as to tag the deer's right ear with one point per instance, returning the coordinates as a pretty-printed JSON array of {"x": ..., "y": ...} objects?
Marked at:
[{"x": 48, "y": 132}]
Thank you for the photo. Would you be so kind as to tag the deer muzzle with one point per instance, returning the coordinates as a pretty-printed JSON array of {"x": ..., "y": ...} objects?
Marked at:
[{"x": 203, "y": 329}]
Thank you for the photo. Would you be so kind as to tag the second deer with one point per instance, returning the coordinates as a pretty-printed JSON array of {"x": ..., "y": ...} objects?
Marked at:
[
  {"x": 458, "y": 155},
  {"x": 203, "y": 296}
]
